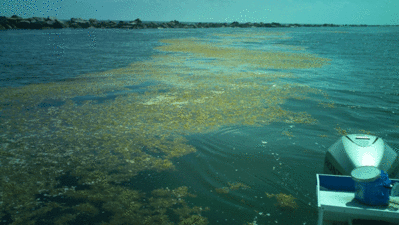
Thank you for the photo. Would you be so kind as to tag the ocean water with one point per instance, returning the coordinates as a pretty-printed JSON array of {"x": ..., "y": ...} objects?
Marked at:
[{"x": 185, "y": 126}]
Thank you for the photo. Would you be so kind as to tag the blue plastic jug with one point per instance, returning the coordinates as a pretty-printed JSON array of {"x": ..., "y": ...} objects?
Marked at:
[{"x": 372, "y": 186}]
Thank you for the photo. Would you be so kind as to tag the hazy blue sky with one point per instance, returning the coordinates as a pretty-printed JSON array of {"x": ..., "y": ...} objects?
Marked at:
[{"x": 282, "y": 11}]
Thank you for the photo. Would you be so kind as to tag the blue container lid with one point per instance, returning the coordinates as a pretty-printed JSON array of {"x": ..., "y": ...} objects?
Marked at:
[{"x": 365, "y": 174}]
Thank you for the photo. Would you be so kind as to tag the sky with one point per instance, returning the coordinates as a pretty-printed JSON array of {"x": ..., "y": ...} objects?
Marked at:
[{"x": 370, "y": 12}]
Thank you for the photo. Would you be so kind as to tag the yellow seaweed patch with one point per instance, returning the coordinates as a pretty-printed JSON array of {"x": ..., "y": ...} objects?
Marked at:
[
  {"x": 237, "y": 185},
  {"x": 361, "y": 131},
  {"x": 327, "y": 105},
  {"x": 249, "y": 37},
  {"x": 232, "y": 186},
  {"x": 284, "y": 201},
  {"x": 222, "y": 190},
  {"x": 341, "y": 131},
  {"x": 287, "y": 133},
  {"x": 234, "y": 56},
  {"x": 252, "y": 34},
  {"x": 107, "y": 139}
]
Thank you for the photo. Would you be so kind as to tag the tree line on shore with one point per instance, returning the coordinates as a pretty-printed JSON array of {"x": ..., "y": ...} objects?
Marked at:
[{"x": 16, "y": 22}]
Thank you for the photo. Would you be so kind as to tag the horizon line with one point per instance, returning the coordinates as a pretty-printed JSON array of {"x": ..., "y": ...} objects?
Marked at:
[{"x": 338, "y": 24}]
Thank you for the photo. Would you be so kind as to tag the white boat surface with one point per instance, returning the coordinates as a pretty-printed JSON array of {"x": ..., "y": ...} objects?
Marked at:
[{"x": 337, "y": 204}]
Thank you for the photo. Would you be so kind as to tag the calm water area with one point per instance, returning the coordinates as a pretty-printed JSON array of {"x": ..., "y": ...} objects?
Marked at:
[{"x": 94, "y": 121}]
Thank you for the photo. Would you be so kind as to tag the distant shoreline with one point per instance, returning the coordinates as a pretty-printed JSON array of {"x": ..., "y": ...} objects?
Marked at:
[{"x": 16, "y": 22}]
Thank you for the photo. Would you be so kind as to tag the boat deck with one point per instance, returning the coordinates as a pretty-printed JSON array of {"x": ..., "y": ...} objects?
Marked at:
[{"x": 337, "y": 204}]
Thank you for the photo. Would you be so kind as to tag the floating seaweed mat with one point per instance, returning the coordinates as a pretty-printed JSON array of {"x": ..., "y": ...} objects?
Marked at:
[
  {"x": 236, "y": 56},
  {"x": 102, "y": 146}
]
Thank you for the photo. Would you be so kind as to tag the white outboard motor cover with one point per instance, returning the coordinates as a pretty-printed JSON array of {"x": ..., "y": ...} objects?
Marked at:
[{"x": 355, "y": 150}]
